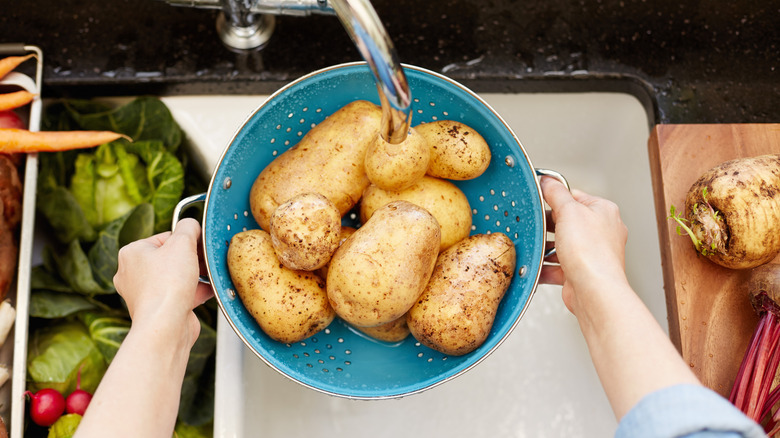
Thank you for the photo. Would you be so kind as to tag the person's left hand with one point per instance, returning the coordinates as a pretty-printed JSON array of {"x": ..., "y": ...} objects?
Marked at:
[{"x": 158, "y": 278}]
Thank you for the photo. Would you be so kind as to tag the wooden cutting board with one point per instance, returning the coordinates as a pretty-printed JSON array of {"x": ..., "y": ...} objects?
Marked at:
[{"x": 710, "y": 318}]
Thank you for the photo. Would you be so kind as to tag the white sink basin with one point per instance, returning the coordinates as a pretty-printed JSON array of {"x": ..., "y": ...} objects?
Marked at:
[{"x": 540, "y": 382}]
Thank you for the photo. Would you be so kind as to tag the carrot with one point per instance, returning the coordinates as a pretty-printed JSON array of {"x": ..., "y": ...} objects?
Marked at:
[
  {"x": 9, "y": 101},
  {"x": 8, "y": 64},
  {"x": 22, "y": 141}
]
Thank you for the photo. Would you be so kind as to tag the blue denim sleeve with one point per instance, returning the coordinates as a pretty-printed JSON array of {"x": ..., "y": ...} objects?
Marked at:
[{"x": 686, "y": 411}]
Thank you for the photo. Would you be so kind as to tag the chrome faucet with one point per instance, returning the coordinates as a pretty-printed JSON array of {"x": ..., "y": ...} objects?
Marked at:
[{"x": 248, "y": 24}]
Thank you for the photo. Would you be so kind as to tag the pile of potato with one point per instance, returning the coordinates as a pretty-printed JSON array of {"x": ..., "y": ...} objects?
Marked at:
[{"x": 411, "y": 267}]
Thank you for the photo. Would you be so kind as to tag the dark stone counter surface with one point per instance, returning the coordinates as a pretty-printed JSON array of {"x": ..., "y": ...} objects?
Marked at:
[{"x": 688, "y": 61}]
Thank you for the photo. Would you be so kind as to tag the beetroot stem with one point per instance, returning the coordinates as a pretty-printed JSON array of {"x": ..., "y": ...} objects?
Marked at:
[
  {"x": 742, "y": 381},
  {"x": 752, "y": 392},
  {"x": 766, "y": 372}
]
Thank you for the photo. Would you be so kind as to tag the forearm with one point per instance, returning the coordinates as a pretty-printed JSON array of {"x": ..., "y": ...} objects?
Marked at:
[
  {"x": 139, "y": 394},
  {"x": 632, "y": 354}
]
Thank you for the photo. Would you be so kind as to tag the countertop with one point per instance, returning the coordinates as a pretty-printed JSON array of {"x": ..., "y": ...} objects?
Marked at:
[{"x": 687, "y": 61}]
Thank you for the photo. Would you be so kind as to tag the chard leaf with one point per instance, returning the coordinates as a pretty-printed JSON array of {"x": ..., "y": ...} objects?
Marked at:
[
  {"x": 50, "y": 305},
  {"x": 165, "y": 176},
  {"x": 57, "y": 352},
  {"x": 145, "y": 118},
  {"x": 44, "y": 277},
  {"x": 196, "y": 405},
  {"x": 136, "y": 224},
  {"x": 74, "y": 267},
  {"x": 64, "y": 215}
]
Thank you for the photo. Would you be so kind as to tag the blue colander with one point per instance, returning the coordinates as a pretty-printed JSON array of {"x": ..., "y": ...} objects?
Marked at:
[
  {"x": 340, "y": 360},
  {"x": 506, "y": 198}
]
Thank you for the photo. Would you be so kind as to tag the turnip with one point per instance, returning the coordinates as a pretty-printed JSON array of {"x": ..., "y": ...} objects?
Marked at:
[
  {"x": 752, "y": 392},
  {"x": 732, "y": 212},
  {"x": 47, "y": 405}
]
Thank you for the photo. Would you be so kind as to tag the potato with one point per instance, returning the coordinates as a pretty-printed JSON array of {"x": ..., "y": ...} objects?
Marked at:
[
  {"x": 305, "y": 231},
  {"x": 288, "y": 305},
  {"x": 393, "y": 331},
  {"x": 343, "y": 235},
  {"x": 377, "y": 274},
  {"x": 397, "y": 166},
  {"x": 456, "y": 310},
  {"x": 328, "y": 160},
  {"x": 458, "y": 152},
  {"x": 445, "y": 201}
]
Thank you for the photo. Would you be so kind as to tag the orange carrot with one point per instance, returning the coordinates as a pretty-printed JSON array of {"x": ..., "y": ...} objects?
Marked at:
[
  {"x": 9, "y": 101},
  {"x": 22, "y": 141},
  {"x": 8, "y": 64}
]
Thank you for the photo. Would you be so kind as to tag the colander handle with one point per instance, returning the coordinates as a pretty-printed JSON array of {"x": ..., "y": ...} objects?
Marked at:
[
  {"x": 562, "y": 179},
  {"x": 362, "y": 24},
  {"x": 180, "y": 207}
]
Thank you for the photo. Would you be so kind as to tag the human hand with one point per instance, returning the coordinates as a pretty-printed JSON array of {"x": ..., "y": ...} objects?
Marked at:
[
  {"x": 158, "y": 279},
  {"x": 590, "y": 240}
]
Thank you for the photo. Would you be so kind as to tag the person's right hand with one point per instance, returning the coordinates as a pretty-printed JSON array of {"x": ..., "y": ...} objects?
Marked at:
[{"x": 590, "y": 240}]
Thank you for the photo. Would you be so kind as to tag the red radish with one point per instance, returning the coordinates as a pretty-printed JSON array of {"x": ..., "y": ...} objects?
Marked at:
[
  {"x": 9, "y": 119},
  {"x": 78, "y": 400},
  {"x": 752, "y": 392},
  {"x": 47, "y": 406}
]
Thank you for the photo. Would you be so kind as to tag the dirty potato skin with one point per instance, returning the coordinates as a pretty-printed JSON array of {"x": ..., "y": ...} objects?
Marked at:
[
  {"x": 397, "y": 166},
  {"x": 738, "y": 220},
  {"x": 443, "y": 199},
  {"x": 343, "y": 235},
  {"x": 393, "y": 331},
  {"x": 288, "y": 305},
  {"x": 328, "y": 160},
  {"x": 305, "y": 231},
  {"x": 458, "y": 152},
  {"x": 378, "y": 273},
  {"x": 456, "y": 310}
]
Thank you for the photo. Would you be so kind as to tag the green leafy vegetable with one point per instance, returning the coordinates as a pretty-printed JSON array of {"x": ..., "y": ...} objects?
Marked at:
[
  {"x": 136, "y": 224},
  {"x": 145, "y": 118},
  {"x": 93, "y": 202},
  {"x": 81, "y": 191},
  {"x": 184, "y": 430},
  {"x": 197, "y": 395},
  {"x": 107, "y": 330},
  {"x": 57, "y": 352},
  {"x": 50, "y": 305},
  {"x": 65, "y": 426}
]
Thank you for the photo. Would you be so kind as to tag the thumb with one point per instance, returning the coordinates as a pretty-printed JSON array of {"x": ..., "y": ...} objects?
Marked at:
[
  {"x": 555, "y": 193},
  {"x": 187, "y": 229}
]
